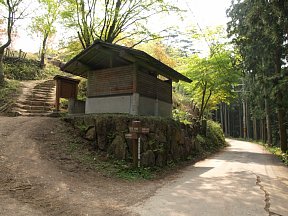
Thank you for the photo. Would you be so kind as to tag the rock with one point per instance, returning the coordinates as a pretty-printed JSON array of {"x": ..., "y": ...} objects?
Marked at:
[
  {"x": 161, "y": 159},
  {"x": 144, "y": 143},
  {"x": 90, "y": 134},
  {"x": 102, "y": 141},
  {"x": 118, "y": 148},
  {"x": 148, "y": 159},
  {"x": 161, "y": 137}
]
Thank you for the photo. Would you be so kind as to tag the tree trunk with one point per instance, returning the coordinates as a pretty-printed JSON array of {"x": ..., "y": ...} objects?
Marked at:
[
  {"x": 240, "y": 122},
  {"x": 255, "y": 137},
  {"x": 268, "y": 122},
  {"x": 280, "y": 108},
  {"x": 1, "y": 67},
  {"x": 43, "y": 51},
  {"x": 225, "y": 120},
  {"x": 261, "y": 129},
  {"x": 282, "y": 129},
  {"x": 229, "y": 125},
  {"x": 244, "y": 120},
  {"x": 247, "y": 120},
  {"x": 221, "y": 115}
]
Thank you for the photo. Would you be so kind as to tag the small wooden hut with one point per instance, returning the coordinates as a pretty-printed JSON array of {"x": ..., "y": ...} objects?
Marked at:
[{"x": 124, "y": 80}]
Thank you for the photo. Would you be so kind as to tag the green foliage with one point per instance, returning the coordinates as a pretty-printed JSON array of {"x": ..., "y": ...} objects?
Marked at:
[
  {"x": 113, "y": 21},
  {"x": 135, "y": 173},
  {"x": 82, "y": 89},
  {"x": 214, "y": 139},
  {"x": 259, "y": 31},
  {"x": 69, "y": 49},
  {"x": 27, "y": 69},
  {"x": 22, "y": 69},
  {"x": 181, "y": 116},
  {"x": 45, "y": 23},
  {"x": 213, "y": 76},
  {"x": 215, "y": 133},
  {"x": 283, "y": 156},
  {"x": 8, "y": 91}
]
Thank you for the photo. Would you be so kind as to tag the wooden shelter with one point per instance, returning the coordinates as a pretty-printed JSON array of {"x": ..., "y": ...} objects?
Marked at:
[
  {"x": 124, "y": 80},
  {"x": 66, "y": 87}
]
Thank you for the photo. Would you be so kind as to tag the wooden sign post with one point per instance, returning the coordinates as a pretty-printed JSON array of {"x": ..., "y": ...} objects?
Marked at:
[
  {"x": 66, "y": 87},
  {"x": 134, "y": 135}
]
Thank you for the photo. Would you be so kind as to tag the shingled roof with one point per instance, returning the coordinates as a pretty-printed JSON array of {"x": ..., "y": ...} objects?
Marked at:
[{"x": 101, "y": 55}]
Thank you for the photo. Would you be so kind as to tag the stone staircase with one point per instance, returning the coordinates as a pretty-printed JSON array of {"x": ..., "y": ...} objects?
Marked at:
[{"x": 37, "y": 99}]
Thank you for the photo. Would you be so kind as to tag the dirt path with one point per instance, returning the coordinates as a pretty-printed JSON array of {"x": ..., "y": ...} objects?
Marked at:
[
  {"x": 242, "y": 180},
  {"x": 36, "y": 179}
]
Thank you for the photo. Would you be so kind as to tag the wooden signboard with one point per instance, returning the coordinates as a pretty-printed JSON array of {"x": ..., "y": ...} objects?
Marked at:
[
  {"x": 66, "y": 87},
  {"x": 134, "y": 133}
]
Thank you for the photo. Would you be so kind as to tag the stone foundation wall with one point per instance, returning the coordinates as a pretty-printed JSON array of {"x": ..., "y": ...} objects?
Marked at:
[{"x": 167, "y": 140}]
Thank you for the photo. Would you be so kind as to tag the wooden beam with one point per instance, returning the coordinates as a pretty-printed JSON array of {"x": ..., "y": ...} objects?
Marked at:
[{"x": 127, "y": 56}]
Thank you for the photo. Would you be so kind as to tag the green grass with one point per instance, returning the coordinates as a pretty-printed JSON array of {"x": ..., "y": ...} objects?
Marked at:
[
  {"x": 277, "y": 151},
  {"x": 108, "y": 167},
  {"x": 8, "y": 91}
]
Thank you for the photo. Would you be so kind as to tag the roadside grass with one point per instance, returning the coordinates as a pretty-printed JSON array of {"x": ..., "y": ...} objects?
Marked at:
[
  {"x": 277, "y": 151},
  {"x": 8, "y": 91}
]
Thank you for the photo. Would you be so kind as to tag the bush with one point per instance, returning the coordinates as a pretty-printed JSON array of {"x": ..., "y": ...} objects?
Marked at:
[
  {"x": 21, "y": 69},
  {"x": 7, "y": 92},
  {"x": 215, "y": 133},
  {"x": 214, "y": 139},
  {"x": 82, "y": 89},
  {"x": 27, "y": 69}
]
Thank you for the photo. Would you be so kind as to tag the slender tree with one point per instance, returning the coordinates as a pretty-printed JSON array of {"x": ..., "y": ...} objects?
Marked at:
[
  {"x": 12, "y": 12},
  {"x": 45, "y": 24}
]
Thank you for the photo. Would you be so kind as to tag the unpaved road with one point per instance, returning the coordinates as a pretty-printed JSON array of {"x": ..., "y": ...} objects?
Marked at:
[
  {"x": 37, "y": 179},
  {"x": 242, "y": 180}
]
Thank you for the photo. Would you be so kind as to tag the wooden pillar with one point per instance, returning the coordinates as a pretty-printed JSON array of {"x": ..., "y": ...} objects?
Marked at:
[{"x": 57, "y": 100}]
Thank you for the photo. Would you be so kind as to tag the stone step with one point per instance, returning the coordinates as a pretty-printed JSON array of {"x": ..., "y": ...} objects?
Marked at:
[
  {"x": 34, "y": 108},
  {"x": 22, "y": 111},
  {"x": 44, "y": 90},
  {"x": 45, "y": 85},
  {"x": 38, "y": 103},
  {"x": 40, "y": 98}
]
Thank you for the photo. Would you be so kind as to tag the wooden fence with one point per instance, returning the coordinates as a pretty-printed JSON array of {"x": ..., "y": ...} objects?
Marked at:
[{"x": 14, "y": 53}]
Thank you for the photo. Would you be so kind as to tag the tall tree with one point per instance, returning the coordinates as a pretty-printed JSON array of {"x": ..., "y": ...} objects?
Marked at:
[
  {"x": 45, "y": 24},
  {"x": 12, "y": 12},
  {"x": 214, "y": 75},
  {"x": 113, "y": 20},
  {"x": 259, "y": 30}
]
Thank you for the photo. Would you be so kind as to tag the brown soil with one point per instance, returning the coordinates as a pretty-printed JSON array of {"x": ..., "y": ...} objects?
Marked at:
[{"x": 38, "y": 178}]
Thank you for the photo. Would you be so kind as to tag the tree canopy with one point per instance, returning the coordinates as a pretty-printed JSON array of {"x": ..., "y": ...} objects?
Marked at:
[
  {"x": 113, "y": 20},
  {"x": 259, "y": 30}
]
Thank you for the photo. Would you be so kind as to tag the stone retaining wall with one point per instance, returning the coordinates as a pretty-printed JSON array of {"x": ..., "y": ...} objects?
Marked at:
[{"x": 167, "y": 140}]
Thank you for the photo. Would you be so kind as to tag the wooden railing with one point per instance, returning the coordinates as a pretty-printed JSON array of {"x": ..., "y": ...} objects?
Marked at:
[{"x": 14, "y": 53}]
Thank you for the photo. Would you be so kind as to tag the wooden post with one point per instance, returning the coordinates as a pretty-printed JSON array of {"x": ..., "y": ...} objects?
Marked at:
[
  {"x": 57, "y": 100},
  {"x": 135, "y": 131}
]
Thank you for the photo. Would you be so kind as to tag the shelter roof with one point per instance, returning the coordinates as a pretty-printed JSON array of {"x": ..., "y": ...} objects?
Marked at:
[{"x": 102, "y": 55}]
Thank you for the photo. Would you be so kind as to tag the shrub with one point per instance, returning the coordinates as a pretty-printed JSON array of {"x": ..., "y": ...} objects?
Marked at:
[
  {"x": 10, "y": 88},
  {"x": 215, "y": 133},
  {"x": 27, "y": 69},
  {"x": 214, "y": 139}
]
